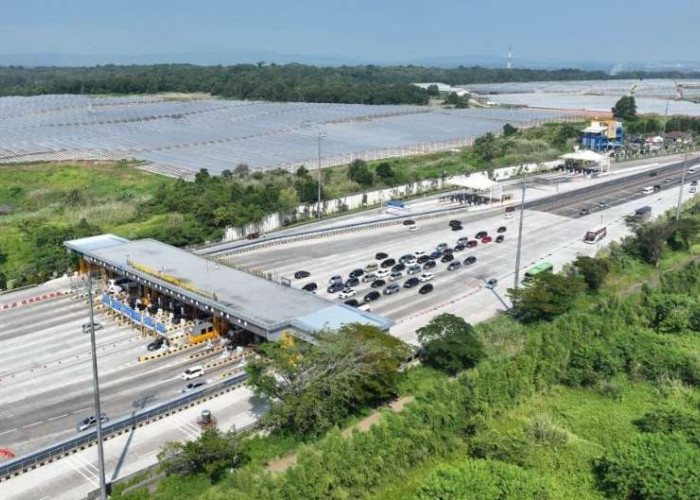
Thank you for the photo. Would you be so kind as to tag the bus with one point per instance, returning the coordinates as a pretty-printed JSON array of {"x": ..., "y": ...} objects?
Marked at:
[
  {"x": 595, "y": 235},
  {"x": 533, "y": 272}
]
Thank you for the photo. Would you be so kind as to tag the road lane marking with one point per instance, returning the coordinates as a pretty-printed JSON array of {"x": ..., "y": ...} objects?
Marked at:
[
  {"x": 85, "y": 463},
  {"x": 32, "y": 425},
  {"x": 56, "y": 418},
  {"x": 7, "y": 432},
  {"x": 77, "y": 468},
  {"x": 79, "y": 411}
]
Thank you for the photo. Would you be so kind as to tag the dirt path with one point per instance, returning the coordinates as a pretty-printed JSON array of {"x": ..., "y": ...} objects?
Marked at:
[{"x": 280, "y": 465}]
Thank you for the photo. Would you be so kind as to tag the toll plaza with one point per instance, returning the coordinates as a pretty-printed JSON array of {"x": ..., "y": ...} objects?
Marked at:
[{"x": 159, "y": 287}]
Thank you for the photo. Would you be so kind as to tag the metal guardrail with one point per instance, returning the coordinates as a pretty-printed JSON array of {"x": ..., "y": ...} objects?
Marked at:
[{"x": 112, "y": 429}]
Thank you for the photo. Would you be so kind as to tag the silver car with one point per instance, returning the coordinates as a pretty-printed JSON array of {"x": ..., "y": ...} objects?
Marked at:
[
  {"x": 414, "y": 269},
  {"x": 85, "y": 424},
  {"x": 395, "y": 276},
  {"x": 392, "y": 289}
]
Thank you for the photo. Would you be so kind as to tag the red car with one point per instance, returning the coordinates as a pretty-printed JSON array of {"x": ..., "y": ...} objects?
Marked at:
[
  {"x": 472, "y": 244},
  {"x": 486, "y": 239}
]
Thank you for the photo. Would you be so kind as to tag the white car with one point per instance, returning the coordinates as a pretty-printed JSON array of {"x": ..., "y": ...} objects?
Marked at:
[
  {"x": 193, "y": 372},
  {"x": 382, "y": 273},
  {"x": 346, "y": 294},
  {"x": 413, "y": 229},
  {"x": 426, "y": 277}
]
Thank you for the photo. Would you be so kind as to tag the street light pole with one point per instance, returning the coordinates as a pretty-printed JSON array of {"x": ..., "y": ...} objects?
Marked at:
[
  {"x": 685, "y": 169},
  {"x": 96, "y": 390},
  {"x": 520, "y": 234},
  {"x": 320, "y": 136}
]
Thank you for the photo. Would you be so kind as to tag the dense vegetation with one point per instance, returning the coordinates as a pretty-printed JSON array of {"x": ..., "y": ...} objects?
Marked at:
[
  {"x": 600, "y": 400},
  {"x": 291, "y": 82}
]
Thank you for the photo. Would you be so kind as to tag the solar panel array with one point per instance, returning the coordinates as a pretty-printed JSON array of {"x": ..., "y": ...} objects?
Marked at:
[{"x": 178, "y": 137}]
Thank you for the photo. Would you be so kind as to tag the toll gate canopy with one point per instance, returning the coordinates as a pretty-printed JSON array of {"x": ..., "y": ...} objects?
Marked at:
[{"x": 242, "y": 299}]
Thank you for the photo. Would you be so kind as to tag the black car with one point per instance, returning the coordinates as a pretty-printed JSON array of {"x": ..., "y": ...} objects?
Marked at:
[
  {"x": 352, "y": 282},
  {"x": 380, "y": 256},
  {"x": 429, "y": 265},
  {"x": 352, "y": 302},
  {"x": 378, "y": 283},
  {"x": 452, "y": 266},
  {"x": 657, "y": 187},
  {"x": 423, "y": 259},
  {"x": 652, "y": 174},
  {"x": 335, "y": 288},
  {"x": 455, "y": 223},
  {"x": 584, "y": 211},
  {"x": 459, "y": 247},
  {"x": 156, "y": 344},
  {"x": 388, "y": 263},
  {"x": 481, "y": 234},
  {"x": 447, "y": 258},
  {"x": 500, "y": 238},
  {"x": 457, "y": 228},
  {"x": 357, "y": 273},
  {"x": 427, "y": 288},
  {"x": 310, "y": 287},
  {"x": 502, "y": 229},
  {"x": 409, "y": 222},
  {"x": 398, "y": 267},
  {"x": 371, "y": 296},
  {"x": 469, "y": 260},
  {"x": 301, "y": 274},
  {"x": 436, "y": 254},
  {"x": 410, "y": 283},
  {"x": 447, "y": 251}
]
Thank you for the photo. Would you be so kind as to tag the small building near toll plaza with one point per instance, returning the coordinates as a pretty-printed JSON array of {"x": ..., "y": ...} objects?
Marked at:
[
  {"x": 233, "y": 298},
  {"x": 603, "y": 135}
]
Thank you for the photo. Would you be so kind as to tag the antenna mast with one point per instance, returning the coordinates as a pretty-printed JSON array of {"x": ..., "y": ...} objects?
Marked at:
[{"x": 510, "y": 58}]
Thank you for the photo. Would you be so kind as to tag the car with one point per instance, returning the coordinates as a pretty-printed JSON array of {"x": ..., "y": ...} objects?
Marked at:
[
  {"x": 335, "y": 287},
  {"x": 96, "y": 326},
  {"x": 426, "y": 277},
  {"x": 192, "y": 372},
  {"x": 380, "y": 256},
  {"x": 396, "y": 275},
  {"x": 447, "y": 258},
  {"x": 378, "y": 283},
  {"x": 463, "y": 240},
  {"x": 486, "y": 239},
  {"x": 368, "y": 277},
  {"x": 398, "y": 267},
  {"x": 391, "y": 289},
  {"x": 668, "y": 179},
  {"x": 436, "y": 254},
  {"x": 346, "y": 294},
  {"x": 371, "y": 267},
  {"x": 469, "y": 260},
  {"x": 156, "y": 344},
  {"x": 427, "y": 288},
  {"x": 418, "y": 254},
  {"x": 584, "y": 211},
  {"x": 310, "y": 287},
  {"x": 382, "y": 273},
  {"x": 455, "y": 223},
  {"x": 657, "y": 187},
  {"x": 301, "y": 274},
  {"x": 602, "y": 204},
  {"x": 90, "y": 421},
  {"x": 406, "y": 259},
  {"x": 371, "y": 296},
  {"x": 423, "y": 259},
  {"x": 459, "y": 248},
  {"x": 194, "y": 385},
  {"x": 453, "y": 266},
  {"x": 356, "y": 273},
  {"x": 472, "y": 243},
  {"x": 693, "y": 183},
  {"x": 500, "y": 238},
  {"x": 351, "y": 282},
  {"x": 492, "y": 283},
  {"x": 457, "y": 228},
  {"x": 352, "y": 303},
  {"x": 692, "y": 190},
  {"x": 412, "y": 229},
  {"x": 447, "y": 251},
  {"x": 480, "y": 235},
  {"x": 388, "y": 263},
  {"x": 652, "y": 174},
  {"x": 429, "y": 265},
  {"x": 410, "y": 283},
  {"x": 409, "y": 222},
  {"x": 253, "y": 236},
  {"x": 441, "y": 246},
  {"x": 336, "y": 278},
  {"x": 502, "y": 229},
  {"x": 415, "y": 269}
]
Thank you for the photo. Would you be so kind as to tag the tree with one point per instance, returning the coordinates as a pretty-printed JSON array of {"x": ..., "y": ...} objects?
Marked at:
[
  {"x": 650, "y": 239},
  {"x": 241, "y": 170},
  {"x": 450, "y": 344},
  {"x": 433, "y": 90},
  {"x": 549, "y": 296},
  {"x": 457, "y": 101},
  {"x": 509, "y": 130},
  {"x": 211, "y": 453},
  {"x": 312, "y": 387},
  {"x": 227, "y": 175},
  {"x": 302, "y": 172},
  {"x": 625, "y": 108},
  {"x": 687, "y": 230},
  {"x": 385, "y": 172},
  {"x": 594, "y": 271},
  {"x": 359, "y": 172},
  {"x": 485, "y": 147},
  {"x": 202, "y": 176}
]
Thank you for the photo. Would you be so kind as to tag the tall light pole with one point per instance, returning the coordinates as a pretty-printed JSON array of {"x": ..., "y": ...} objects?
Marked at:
[
  {"x": 520, "y": 233},
  {"x": 685, "y": 169},
  {"x": 96, "y": 391},
  {"x": 321, "y": 135}
]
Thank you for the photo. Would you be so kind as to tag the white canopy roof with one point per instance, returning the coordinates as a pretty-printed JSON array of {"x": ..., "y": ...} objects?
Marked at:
[
  {"x": 584, "y": 155},
  {"x": 478, "y": 181}
]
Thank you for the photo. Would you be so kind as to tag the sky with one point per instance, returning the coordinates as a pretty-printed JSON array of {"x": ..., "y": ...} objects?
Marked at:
[{"x": 363, "y": 30}]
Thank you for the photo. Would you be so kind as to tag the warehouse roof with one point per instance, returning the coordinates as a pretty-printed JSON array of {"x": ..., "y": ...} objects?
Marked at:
[{"x": 265, "y": 304}]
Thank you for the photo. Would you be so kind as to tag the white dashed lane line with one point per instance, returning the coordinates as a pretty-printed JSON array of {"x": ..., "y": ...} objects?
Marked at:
[{"x": 32, "y": 425}]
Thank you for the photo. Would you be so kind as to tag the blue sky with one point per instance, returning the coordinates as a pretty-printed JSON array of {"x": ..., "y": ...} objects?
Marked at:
[{"x": 377, "y": 30}]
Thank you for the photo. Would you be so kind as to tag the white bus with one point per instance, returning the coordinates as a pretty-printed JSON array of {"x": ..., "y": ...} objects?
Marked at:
[{"x": 595, "y": 235}]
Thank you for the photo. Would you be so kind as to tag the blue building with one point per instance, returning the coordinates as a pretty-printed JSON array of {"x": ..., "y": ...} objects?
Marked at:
[{"x": 603, "y": 135}]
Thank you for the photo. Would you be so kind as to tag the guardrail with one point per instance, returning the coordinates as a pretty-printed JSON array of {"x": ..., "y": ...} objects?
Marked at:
[{"x": 113, "y": 429}]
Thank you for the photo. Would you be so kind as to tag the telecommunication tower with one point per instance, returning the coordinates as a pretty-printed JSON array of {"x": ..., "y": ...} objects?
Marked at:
[{"x": 510, "y": 58}]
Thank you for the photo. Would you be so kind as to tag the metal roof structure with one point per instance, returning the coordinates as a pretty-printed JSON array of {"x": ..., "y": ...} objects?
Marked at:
[{"x": 256, "y": 304}]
